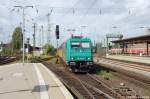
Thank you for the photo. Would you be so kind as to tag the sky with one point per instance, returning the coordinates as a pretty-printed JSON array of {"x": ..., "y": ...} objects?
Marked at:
[{"x": 91, "y": 18}]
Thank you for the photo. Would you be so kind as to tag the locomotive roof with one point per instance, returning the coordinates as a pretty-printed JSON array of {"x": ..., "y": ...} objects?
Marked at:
[
  {"x": 79, "y": 39},
  {"x": 76, "y": 40}
]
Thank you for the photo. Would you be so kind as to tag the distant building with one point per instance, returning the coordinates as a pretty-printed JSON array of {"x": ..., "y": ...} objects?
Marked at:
[{"x": 8, "y": 45}]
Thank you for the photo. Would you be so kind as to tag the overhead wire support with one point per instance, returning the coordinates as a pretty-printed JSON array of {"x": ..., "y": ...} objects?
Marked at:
[
  {"x": 23, "y": 29},
  {"x": 49, "y": 26}
]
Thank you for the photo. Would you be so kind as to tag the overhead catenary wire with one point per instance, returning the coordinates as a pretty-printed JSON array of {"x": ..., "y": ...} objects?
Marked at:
[{"x": 73, "y": 10}]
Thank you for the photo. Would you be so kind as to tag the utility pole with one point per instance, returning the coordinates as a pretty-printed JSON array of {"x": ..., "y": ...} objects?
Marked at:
[
  {"x": 23, "y": 28},
  {"x": 34, "y": 41},
  {"x": 49, "y": 27}
]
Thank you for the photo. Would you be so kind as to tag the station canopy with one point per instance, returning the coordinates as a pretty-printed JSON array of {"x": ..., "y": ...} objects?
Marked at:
[{"x": 138, "y": 39}]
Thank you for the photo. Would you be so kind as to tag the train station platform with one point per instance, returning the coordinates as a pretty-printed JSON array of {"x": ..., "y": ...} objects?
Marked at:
[
  {"x": 30, "y": 81},
  {"x": 137, "y": 59},
  {"x": 137, "y": 71}
]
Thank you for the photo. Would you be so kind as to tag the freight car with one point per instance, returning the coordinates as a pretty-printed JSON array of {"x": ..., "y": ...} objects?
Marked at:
[{"x": 76, "y": 52}]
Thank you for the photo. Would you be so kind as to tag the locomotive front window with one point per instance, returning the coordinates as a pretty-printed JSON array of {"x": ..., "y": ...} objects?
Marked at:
[
  {"x": 85, "y": 45},
  {"x": 75, "y": 44},
  {"x": 80, "y": 44}
]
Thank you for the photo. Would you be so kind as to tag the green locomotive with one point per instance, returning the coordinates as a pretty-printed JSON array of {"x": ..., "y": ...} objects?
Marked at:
[{"x": 77, "y": 54}]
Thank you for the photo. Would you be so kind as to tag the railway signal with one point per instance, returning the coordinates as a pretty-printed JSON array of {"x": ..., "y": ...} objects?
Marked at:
[
  {"x": 57, "y": 37},
  {"x": 57, "y": 31}
]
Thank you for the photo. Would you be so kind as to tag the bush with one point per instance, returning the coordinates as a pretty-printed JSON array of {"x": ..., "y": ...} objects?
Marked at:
[{"x": 48, "y": 49}]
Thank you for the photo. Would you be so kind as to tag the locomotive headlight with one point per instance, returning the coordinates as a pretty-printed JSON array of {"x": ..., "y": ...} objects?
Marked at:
[
  {"x": 72, "y": 58},
  {"x": 88, "y": 58}
]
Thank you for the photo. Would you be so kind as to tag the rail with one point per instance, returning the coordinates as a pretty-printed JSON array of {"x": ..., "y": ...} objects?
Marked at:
[{"x": 81, "y": 88}]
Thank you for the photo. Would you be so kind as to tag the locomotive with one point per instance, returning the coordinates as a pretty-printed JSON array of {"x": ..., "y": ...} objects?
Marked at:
[{"x": 76, "y": 52}]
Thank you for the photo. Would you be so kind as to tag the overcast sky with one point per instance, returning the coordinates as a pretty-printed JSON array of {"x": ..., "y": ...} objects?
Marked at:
[{"x": 95, "y": 18}]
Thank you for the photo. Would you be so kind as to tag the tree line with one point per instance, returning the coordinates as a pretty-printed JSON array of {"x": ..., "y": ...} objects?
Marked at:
[{"x": 16, "y": 44}]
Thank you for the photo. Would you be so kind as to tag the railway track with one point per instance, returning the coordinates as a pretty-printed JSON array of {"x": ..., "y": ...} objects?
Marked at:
[
  {"x": 7, "y": 59},
  {"x": 129, "y": 65},
  {"x": 132, "y": 70},
  {"x": 83, "y": 86},
  {"x": 90, "y": 80}
]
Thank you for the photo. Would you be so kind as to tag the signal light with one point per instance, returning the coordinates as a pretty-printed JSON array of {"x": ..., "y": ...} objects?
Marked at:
[{"x": 57, "y": 31}]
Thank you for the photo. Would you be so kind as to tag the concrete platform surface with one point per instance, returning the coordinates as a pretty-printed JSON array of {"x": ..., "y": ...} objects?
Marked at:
[
  {"x": 131, "y": 58},
  {"x": 30, "y": 81}
]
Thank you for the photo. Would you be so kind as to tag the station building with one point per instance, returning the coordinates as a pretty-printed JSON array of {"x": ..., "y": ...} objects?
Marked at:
[{"x": 139, "y": 45}]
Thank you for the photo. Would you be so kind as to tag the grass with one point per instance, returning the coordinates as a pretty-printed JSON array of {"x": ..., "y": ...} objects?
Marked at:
[
  {"x": 105, "y": 74},
  {"x": 52, "y": 60},
  {"x": 147, "y": 93},
  {"x": 45, "y": 56}
]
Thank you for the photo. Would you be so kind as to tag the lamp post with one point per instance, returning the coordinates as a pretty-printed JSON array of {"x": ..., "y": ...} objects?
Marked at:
[{"x": 23, "y": 28}]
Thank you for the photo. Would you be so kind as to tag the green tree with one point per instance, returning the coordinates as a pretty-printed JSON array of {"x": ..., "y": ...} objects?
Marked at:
[
  {"x": 6, "y": 51},
  {"x": 17, "y": 39},
  {"x": 48, "y": 49}
]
